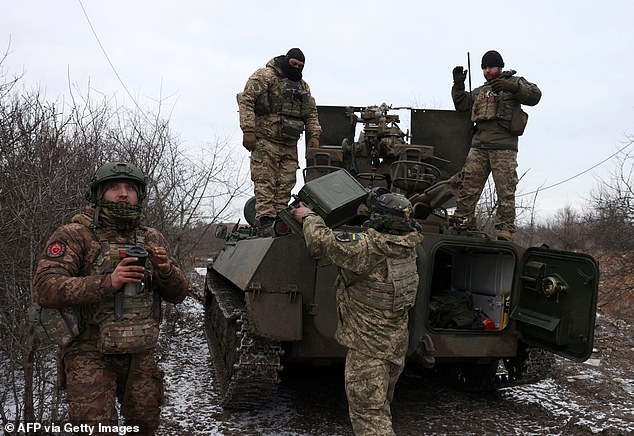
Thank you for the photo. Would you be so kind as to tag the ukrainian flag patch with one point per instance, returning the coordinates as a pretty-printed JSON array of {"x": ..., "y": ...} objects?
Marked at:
[{"x": 347, "y": 237}]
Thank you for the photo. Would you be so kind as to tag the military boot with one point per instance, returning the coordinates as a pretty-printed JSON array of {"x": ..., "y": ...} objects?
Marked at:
[
  {"x": 265, "y": 226},
  {"x": 461, "y": 223}
]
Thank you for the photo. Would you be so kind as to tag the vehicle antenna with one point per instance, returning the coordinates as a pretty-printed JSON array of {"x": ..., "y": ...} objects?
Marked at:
[{"x": 469, "y": 70}]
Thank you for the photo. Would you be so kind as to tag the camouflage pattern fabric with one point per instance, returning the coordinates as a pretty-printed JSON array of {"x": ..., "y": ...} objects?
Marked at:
[
  {"x": 376, "y": 339},
  {"x": 136, "y": 327},
  {"x": 479, "y": 164},
  {"x": 396, "y": 292},
  {"x": 370, "y": 384},
  {"x": 274, "y": 159},
  {"x": 492, "y": 111},
  {"x": 136, "y": 330},
  {"x": 273, "y": 171},
  {"x": 267, "y": 80},
  {"x": 95, "y": 381},
  {"x": 64, "y": 278},
  {"x": 493, "y": 146},
  {"x": 55, "y": 326}
]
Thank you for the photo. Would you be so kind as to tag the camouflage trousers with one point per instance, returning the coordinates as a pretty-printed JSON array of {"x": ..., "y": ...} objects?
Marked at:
[
  {"x": 370, "y": 384},
  {"x": 273, "y": 172},
  {"x": 94, "y": 381},
  {"x": 479, "y": 164}
]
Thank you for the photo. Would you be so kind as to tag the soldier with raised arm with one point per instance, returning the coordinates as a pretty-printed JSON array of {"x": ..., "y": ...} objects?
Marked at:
[{"x": 498, "y": 121}]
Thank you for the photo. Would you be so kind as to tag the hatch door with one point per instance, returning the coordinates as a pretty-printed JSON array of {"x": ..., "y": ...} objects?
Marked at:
[{"x": 555, "y": 300}]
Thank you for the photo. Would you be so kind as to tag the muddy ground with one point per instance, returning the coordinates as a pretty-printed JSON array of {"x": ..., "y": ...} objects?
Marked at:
[{"x": 596, "y": 397}]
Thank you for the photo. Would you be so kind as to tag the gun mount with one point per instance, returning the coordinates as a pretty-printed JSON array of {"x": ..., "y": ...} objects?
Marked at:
[
  {"x": 381, "y": 136},
  {"x": 385, "y": 155}
]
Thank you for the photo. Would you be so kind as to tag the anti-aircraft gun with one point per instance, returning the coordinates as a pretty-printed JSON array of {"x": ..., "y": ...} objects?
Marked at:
[
  {"x": 381, "y": 155},
  {"x": 426, "y": 169},
  {"x": 485, "y": 312}
]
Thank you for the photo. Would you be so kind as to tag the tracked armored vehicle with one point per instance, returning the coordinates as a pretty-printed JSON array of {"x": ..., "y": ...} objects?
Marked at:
[{"x": 489, "y": 314}]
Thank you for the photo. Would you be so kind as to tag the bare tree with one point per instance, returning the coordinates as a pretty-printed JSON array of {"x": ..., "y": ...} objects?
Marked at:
[
  {"x": 566, "y": 230},
  {"x": 38, "y": 168},
  {"x": 611, "y": 223},
  {"x": 612, "y": 206}
]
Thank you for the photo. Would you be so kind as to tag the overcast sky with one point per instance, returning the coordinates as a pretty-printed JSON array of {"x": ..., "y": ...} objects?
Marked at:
[{"x": 196, "y": 55}]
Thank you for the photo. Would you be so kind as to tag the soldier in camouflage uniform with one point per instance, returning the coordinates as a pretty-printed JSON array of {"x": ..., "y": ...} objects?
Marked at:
[
  {"x": 276, "y": 106},
  {"x": 119, "y": 302},
  {"x": 498, "y": 121},
  {"x": 376, "y": 287}
]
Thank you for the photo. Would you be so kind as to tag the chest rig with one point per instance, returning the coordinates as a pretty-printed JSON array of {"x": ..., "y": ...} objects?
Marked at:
[
  {"x": 489, "y": 105},
  {"x": 484, "y": 105},
  {"x": 127, "y": 322},
  {"x": 290, "y": 103}
]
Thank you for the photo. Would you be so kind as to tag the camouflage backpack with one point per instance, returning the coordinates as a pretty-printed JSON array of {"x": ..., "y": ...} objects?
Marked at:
[{"x": 55, "y": 326}]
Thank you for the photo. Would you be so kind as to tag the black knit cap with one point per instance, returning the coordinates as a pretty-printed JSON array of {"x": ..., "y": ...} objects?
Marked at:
[
  {"x": 492, "y": 59},
  {"x": 295, "y": 53}
]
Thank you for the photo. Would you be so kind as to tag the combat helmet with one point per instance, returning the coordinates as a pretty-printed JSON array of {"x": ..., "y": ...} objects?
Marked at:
[
  {"x": 116, "y": 171},
  {"x": 391, "y": 212}
]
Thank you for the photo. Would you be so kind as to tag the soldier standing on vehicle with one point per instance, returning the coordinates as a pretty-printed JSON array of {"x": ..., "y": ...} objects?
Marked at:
[
  {"x": 498, "y": 122},
  {"x": 119, "y": 302},
  {"x": 276, "y": 106},
  {"x": 376, "y": 287}
]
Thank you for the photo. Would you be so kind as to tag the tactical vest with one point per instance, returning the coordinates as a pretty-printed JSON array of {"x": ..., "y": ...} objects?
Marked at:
[
  {"x": 396, "y": 293},
  {"x": 291, "y": 104},
  {"x": 127, "y": 322},
  {"x": 488, "y": 105},
  {"x": 484, "y": 105}
]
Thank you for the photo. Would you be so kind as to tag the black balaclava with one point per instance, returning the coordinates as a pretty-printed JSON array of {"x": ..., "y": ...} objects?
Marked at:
[
  {"x": 295, "y": 74},
  {"x": 492, "y": 59}
]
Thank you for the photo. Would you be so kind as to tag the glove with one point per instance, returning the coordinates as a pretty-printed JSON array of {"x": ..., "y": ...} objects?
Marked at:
[
  {"x": 505, "y": 85},
  {"x": 313, "y": 142},
  {"x": 459, "y": 74},
  {"x": 248, "y": 141}
]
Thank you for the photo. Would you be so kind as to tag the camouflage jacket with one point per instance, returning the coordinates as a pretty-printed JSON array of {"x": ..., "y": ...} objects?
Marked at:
[
  {"x": 380, "y": 333},
  {"x": 267, "y": 81},
  {"x": 491, "y": 112},
  {"x": 63, "y": 277}
]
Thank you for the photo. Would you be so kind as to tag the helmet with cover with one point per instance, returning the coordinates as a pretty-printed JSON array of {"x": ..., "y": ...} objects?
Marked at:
[{"x": 391, "y": 212}]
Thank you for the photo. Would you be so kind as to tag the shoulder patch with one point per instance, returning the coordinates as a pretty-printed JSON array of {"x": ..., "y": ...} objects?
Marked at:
[
  {"x": 55, "y": 249},
  {"x": 347, "y": 237}
]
